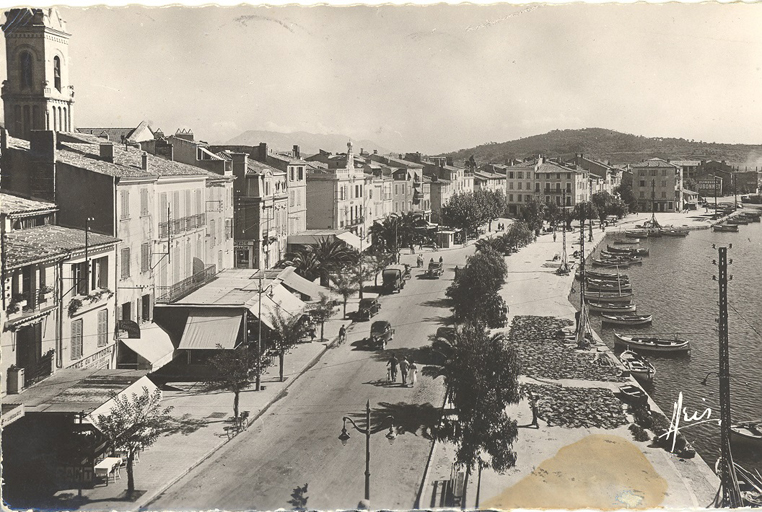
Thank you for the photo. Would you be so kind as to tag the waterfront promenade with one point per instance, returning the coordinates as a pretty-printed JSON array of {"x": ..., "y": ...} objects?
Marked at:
[{"x": 582, "y": 467}]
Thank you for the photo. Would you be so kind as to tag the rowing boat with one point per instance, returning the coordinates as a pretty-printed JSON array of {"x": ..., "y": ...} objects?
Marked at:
[
  {"x": 631, "y": 320},
  {"x": 637, "y": 365},
  {"x": 608, "y": 307},
  {"x": 653, "y": 343}
]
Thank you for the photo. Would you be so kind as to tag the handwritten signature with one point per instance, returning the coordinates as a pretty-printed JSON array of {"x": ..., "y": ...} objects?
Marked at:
[{"x": 694, "y": 419}]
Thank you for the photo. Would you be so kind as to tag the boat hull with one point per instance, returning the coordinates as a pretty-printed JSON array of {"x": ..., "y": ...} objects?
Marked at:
[
  {"x": 631, "y": 321},
  {"x": 608, "y": 308},
  {"x": 652, "y": 344}
]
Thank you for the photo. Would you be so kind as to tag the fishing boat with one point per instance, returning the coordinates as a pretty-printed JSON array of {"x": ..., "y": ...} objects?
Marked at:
[
  {"x": 601, "y": 283},
  {"x": 748, "y": 430},
  {"x": 616, "y": 287},
  {"x": 633, "y": 394},
  {"x": 750, "y": 484},
  {"x": 625, "y": 297},
  {"x": 675, "y": 232},
  {"x": 636, "y": 234},
  {"x": 637, "y": 365},
  {"x": 631, "y": 241},
  {"x": 605, "y": 275},
  {"x": 631, "y": 320},
  {"x": 608, "y": 307},
  {"x": 630, "y": 257},
  {"x": 731, "y": 228},
  {"x": 653, "y": 343},
  {"x": 617, "y": 262},
  {"x": 737, "y": 220},
  {"x": 628, "y": 251}
]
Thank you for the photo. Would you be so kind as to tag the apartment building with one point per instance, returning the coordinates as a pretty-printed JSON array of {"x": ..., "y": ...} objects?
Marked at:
[
  {"x": 58, "y": 295},
  {"x": 655, "y": 183}
]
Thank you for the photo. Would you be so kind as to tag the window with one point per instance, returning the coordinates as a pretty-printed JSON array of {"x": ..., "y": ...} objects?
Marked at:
[
  {"x": 79, "y": 271},
  {"x": 291, "y": 170},
  {"x": 520, "y": 175},
  {"x": 510, "y": 175},
  {"x": 558, "y": 175},
  {"x": 163, "y": 207},
  {"x": 125, "y": 263},
  {"x": 228, "y": 229},
  {"x": 642, "y": 183},
  {"x": 663, "y": 183},
  {"x": 124, "y": 195},
  {"x": 663, "y": 195},
  {"x": 520, "y": 185},
  {"x": 510, "y": 185},
  {"x": 568, "y": 175},
  {"x": 664, "y": 172},
  {"x": 145, "y": 257},
  {"x": 187, "y": 203},
  {"x": 568, "y": 187},
  {"x": 25, "y": 61},
  {"x": 143, "y": 202},
  {"x": 529, "y": 175},
  {"x": 291, "y": 201},
  {"x": 642, "y": 194},
  {"x": 102, "y": 327},
  {"x": 57, "y": 72},
  {"x": 99, "y": 273},
  {"x": 547, "y": 199},
  {"x": 301, "y": 173},
  {"x": 537, "y": 187},
  {"x": 76, "y": 339}
]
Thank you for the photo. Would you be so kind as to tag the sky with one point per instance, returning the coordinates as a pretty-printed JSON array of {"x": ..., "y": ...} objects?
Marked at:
[{"x": 422, "y": 78}]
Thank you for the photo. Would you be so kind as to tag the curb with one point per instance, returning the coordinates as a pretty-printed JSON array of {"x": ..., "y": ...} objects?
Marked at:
[
  {"x": 155, "y": 495},
  {"x": 425, "y": 479}
]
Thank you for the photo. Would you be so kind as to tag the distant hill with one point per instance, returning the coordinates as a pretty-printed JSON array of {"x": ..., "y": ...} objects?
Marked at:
[
  {"x": 309, "y": 143},
  {"x": 613, "y": 146}
]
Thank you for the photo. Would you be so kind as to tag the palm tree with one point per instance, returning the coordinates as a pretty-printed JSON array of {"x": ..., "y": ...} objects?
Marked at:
[
  {"x": 333, "y": 254},
  {"x": 286, "y": 333},
  {"x": 345, "y": 285},
  {"x": 304, "y": 261}
]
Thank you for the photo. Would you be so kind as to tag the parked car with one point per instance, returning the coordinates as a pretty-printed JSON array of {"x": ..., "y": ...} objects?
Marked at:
[
  {"x": 393, "y": 277},
  {"x": 381, "y": 333},
  {"x": 368, "y": 308}
]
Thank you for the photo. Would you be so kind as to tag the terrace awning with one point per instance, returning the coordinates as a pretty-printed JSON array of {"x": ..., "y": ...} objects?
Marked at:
[
  {"x": 275, "y": 300},
  {"x": 135, "y": 388},
  {"x": 350, "y": 239},
  {"x": 153, "y": 345},
  {"x": 208, "y": 328}
]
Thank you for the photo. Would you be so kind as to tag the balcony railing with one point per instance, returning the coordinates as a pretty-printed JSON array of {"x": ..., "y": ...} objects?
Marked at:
[
  {"x": 39, "y": 370},
  {"x": 182, "y": 224},
  {"x": 184, "y": 287}
]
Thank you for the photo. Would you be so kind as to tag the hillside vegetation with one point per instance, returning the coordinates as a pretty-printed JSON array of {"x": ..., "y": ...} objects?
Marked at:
[{"x": 614, "y": 146}]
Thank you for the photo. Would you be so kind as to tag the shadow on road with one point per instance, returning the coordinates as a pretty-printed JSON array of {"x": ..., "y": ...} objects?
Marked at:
[{"x": 299, "y": 497}]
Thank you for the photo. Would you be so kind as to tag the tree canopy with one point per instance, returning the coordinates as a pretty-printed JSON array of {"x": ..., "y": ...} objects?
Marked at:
[{"x": 474, "y": 292}]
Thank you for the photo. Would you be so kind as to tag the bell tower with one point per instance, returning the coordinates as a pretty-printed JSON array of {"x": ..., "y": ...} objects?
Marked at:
[{"x": 37, "y": 94}]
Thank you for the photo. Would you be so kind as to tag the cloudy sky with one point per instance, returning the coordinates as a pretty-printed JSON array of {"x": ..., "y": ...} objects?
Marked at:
[{"x": 428, "y": 79}]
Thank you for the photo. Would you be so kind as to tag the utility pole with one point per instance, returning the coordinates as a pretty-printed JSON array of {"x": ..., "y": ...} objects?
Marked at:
[
  {"x": 258, "y": 380},
  {"x": 731, "y": 495},
  {"x": 564, "y": 258},
  {"x": 715, "y": 194},
  {"x": 735, "y": 193},
  {"x": 653, "y": 203}
]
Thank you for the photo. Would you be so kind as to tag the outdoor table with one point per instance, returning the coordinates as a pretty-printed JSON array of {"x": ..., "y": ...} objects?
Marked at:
[{"x": 107, "y": 466}]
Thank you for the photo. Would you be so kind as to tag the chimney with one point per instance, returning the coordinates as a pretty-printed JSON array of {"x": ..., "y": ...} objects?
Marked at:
[
  {"x": 107, "y": 151},
  {"x": 375, "y": 151},
  {"x": 144, "y": 161},
  {"x": 42, "y": 144},
  {"x": 297, "y": 153},
  {"x": 449, "y": 161},
  {"x": 540, "y": 159},
  {"x": 263, "y": 151},
  {"x": 362, "y": 151}
]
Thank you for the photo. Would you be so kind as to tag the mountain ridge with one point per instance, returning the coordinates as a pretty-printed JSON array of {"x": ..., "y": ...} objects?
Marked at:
[
  {"x": 309, "y": 143},
  {"x": 613, "y": 146}
]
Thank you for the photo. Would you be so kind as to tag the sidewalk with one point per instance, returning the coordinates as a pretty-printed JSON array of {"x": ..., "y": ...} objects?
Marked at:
[
  {"x": 202, "y": 417},
  {"x": 563, "y": 467}
]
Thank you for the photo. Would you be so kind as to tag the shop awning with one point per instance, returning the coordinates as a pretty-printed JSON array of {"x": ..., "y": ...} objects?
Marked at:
[
  {"x": 350, "y": 239},
  {"x": 276, "y": 300},
  {"x": 153, "y": 345},
  {"x": 136, "y": 388},
  {"x": 208, "y": 328},
  {"x": 296, "y": 282}
]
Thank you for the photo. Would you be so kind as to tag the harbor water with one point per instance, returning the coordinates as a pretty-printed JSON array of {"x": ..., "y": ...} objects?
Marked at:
[{"x": 675, "y": 285}]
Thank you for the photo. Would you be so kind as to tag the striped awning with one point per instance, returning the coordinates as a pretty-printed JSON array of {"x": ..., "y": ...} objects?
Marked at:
[{"x": 212, "y": 329}]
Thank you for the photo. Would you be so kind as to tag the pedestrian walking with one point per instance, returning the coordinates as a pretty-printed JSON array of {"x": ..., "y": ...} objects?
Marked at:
[
  {"x": 312, "y": 333},
  {"x": 440, "y": 259},
  {"x": 554, "y": 236},
  {"x": 392, "y": 364},
  {"x": 412, "y": 374},
  {"x": 342, "y": 334},
  {"x": 403, "y": 370}
]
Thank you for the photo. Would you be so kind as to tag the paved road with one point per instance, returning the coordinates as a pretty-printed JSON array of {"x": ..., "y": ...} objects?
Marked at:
[{"x": 296, "y": 441}]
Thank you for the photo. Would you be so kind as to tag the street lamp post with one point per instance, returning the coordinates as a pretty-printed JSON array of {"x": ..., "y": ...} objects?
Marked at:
[{"x": 344, "y": 437}]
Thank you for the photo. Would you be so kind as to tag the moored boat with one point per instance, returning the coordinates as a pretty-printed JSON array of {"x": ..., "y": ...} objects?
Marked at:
[
  {"x": 603, "y": 283},
  {"x": 608, "y": 307},
  {"x": 653, "y": 343},
  {"x": 627, "y": 251},
  {"x": 621, "y": 287},
  {"x": 636, "y": 234},
  {"x": 628, "y": 257},
  {"x": 674, "y": 232},
  {"x": 731, "y": 228},
  {"x": 605, "y": 275},
  {"x": 737, "y": 220},
  {"x": 625, "y": 297},
  {"x": 631, "y": 320},
  {"x": 637, "y": 365},
  {"x": 633, "y": 394},
  {"x": 749, "y": 430},
  {"x": 631, "y": 241}
]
